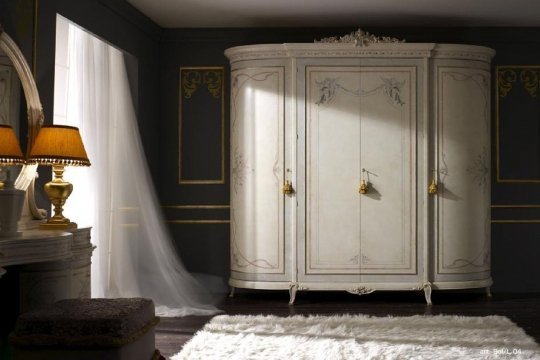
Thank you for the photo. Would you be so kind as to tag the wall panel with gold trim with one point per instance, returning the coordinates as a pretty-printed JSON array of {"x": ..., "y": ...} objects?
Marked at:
[
  {"x": 202, "y": 234},
  {"x": 516, "y": 187},
  {"x": 196, "y": 214},
  {"x": 201, "y": 126},
  {"x": 518, "y": 123}
]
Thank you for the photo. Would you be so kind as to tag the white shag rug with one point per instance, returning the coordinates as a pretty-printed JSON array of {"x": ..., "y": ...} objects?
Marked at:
[{"x": 359, "y": 337}]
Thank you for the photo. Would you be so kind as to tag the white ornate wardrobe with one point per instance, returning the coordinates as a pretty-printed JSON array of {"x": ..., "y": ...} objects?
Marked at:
[{"x": 360, "y": 164}]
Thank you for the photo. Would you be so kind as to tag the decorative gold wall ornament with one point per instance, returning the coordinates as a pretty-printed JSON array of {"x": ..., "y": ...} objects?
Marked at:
[
  {"x": 359, "y": 38},
  {"x": 505, "y": 78},
  {"x": 213, "y": 81},
  {"x": 528, "y": 76},
  {"x": 193, "y": 78},
  {"x": 529, "y": 79},
  {"x": 190, "y": 82}
]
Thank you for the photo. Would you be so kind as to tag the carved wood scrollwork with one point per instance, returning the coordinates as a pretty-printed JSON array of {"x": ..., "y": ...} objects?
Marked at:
[
  {"x": 362, "y": 290},
  {"x": 27, "y": 176},
  {"x": 360, "y": 38}
]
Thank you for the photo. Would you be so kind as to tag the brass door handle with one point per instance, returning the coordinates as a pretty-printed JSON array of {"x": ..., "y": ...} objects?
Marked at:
[
  {"x": 288, "y": 188},
  {"x": 433, "y": 188},
  {"x": 364, "y": 187}
]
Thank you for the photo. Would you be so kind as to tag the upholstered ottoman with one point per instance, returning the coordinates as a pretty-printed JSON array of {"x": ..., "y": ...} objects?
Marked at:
[{"x": 84, "y": 329}]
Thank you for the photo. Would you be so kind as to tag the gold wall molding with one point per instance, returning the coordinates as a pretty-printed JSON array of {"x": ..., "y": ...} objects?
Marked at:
[
  {"x": 191, "y": 78},
  {"x": 515, "y": 213},
  {"x": 515, "y": 206},
  {"x": 198, "y": 221},
  {"x": 512, "y": 221},
  {"x": 196, "y": 206},
  {"x": 506, "y": 76}
]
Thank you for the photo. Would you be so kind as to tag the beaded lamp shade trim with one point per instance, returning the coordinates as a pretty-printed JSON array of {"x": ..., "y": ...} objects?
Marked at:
[
  {"x": 11, "y": 161},
  {"x": 59, "y": 161}
]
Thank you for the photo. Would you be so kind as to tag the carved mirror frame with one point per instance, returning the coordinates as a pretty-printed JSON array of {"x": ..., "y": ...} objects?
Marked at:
[{"x": 25, "y": 180}]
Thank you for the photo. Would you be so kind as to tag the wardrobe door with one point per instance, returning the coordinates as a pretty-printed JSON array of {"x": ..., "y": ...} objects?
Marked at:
[
  {"x": 463, "y": 161},
  {"x": 257, "y": 172},
  {"x": 360, "y": 128}
]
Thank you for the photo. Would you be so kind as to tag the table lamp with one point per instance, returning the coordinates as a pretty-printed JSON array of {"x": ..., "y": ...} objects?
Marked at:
[
  {"x": 58, "y": 146},
  {"x": 11, "y": 199}
]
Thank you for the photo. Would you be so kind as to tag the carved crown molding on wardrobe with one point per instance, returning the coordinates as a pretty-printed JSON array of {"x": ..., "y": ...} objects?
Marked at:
[{"x": 339, "y": 50}]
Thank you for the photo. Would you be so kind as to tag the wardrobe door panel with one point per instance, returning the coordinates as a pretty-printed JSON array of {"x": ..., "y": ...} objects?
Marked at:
[
  {"x": 332, "y": 171},
  {"x": 360, "y": 125},
  {"x": 257, "y": 171},
  {"x": 388, "y": 156},
  {"x": 463, "y": 245}
]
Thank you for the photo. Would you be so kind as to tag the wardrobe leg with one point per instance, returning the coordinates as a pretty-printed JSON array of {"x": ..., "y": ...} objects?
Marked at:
[
  {"x": 292, "y": 293},
  {"x": 427, "y": 293}
]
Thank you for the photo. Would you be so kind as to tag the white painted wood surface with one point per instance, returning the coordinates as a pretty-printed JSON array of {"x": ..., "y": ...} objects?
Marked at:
[
  {"x": 54, "y": 265},
  {"x": 327, "y": 116}
]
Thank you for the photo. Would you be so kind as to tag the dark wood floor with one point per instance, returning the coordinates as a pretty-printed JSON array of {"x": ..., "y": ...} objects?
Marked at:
[{"x": 523, "y": 309}]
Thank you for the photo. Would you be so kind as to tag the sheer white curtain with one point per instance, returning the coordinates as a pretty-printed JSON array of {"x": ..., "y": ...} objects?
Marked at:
[{"x": 134, "y": 255}]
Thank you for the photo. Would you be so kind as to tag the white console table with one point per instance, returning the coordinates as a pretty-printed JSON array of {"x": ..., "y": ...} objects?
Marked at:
[{"x": 55, "y": 265}]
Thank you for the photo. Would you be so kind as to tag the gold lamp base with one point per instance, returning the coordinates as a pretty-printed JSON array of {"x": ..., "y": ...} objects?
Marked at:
[
  {"x": 58, "y": 191},
  {"x": 57, "y": 226}
]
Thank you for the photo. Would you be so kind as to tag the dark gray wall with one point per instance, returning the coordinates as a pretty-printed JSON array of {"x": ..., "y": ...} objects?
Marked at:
[
  {"x": 198, "y": 214},
  {"x": 202, "y": 234},
  {"x": 124, "y": 27},
  {"x": 33, "y": 25}
]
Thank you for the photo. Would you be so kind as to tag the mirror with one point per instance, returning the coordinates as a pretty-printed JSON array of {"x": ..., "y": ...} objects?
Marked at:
[
  {"x": 13, "y": 62},
  {"x": 10, "y": 93}
]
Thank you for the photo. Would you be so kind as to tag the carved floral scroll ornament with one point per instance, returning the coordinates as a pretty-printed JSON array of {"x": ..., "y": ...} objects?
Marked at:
[
  {"x": 479, "y": 169},
  {"x": 192, "y": 79},
  {"x": 529, "y": 77},
  {"x": 239, "y": 170},
  {"x": 390, "y": 87},
  {"x": 359, "y": 38},
  {"x": 362, "y": 290}
]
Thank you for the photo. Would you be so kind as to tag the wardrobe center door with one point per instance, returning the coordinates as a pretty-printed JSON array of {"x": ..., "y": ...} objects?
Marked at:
[
  {"x": 360, "y": 125},
  {"x": 257, "y": 171}
]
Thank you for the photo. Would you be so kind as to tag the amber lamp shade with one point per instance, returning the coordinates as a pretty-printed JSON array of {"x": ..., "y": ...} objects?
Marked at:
[
  {"x": 58, "y": 146},
  {"x": 11, "y": 199},
  {"x": 10, "y": 150}
]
